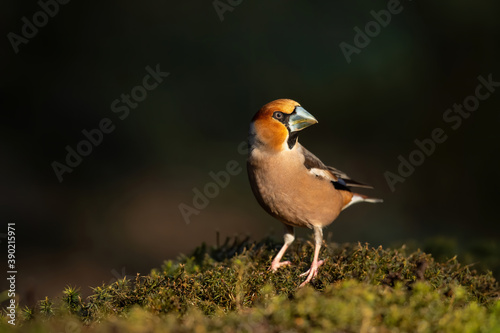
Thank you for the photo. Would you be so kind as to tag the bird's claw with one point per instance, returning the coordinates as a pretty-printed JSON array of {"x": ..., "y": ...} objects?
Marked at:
[
  {"x": 275, "y": 265},
  {"x": 311, "y": 273}
]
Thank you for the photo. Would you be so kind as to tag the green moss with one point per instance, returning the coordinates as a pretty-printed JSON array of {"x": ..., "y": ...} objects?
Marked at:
[{"x": 358, "y": 289}]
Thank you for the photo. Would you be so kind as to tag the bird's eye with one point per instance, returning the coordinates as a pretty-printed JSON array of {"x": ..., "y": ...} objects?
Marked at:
[{"x": 278, "y": 115}]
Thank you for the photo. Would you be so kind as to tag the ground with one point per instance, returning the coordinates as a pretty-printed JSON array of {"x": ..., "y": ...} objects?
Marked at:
[{"x": 229, "y": 288}]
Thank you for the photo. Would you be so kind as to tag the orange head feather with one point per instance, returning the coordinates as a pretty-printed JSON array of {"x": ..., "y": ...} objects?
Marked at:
[{"x": 269, "y": 130}]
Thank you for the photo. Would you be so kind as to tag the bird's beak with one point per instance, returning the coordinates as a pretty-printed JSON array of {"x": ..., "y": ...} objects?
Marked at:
[{"x": 300, "y": 119}]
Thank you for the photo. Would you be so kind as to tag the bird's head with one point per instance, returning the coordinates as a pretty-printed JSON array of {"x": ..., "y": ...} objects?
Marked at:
[{"x": 276, "y": 124}]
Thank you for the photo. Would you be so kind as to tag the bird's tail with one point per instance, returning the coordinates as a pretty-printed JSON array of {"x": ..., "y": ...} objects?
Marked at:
[{"x": 356, "y": 197}]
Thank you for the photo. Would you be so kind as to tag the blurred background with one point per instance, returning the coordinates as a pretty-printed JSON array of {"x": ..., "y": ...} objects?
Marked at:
[{"x": 117, "y": 213}]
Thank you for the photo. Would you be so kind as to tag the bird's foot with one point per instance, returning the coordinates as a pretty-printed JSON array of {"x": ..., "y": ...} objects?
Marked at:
[
  {"x": 311, "y": 272},
  {"x": 275, "y": 265}
]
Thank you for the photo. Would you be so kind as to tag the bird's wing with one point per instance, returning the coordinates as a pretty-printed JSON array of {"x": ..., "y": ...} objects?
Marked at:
[{"x": 340, "y": 179}]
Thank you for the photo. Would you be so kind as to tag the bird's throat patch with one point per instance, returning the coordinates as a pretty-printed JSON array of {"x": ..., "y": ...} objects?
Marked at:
[{"x": 292, "y": 139}]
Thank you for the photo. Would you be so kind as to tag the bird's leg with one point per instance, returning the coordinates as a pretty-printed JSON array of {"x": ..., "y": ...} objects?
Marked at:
[
  {"x": 289, "y": 238},
  {"x": 313, "y": 271}
]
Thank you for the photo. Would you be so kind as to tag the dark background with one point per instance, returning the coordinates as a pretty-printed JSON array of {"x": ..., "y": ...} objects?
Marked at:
[{"x": 117, "y": 213}]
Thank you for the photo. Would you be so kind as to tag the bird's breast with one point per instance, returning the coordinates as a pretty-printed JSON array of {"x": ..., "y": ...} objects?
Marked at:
[{"x": 287, "y": 190}]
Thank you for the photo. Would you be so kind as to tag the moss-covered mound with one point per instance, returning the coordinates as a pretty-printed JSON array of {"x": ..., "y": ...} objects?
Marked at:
[{"x": 229, "y": 289}]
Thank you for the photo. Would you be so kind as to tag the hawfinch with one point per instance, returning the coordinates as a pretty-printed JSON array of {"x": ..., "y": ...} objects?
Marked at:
[{"x": 292, "y": 184}]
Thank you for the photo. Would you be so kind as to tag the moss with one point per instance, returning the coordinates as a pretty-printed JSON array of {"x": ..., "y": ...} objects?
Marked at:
[{"x": 229, "y": 288}]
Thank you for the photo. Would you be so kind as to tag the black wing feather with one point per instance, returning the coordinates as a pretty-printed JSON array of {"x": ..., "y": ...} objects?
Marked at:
[{"x": 311, "y": 161}]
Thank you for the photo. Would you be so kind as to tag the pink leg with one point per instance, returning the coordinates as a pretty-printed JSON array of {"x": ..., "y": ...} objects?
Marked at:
[
  {"x": 313, "y": 271},
  {"x": 289, "y": 238}
]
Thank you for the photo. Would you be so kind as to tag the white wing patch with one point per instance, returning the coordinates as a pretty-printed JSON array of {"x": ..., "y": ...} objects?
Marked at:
[{"x": 322, "y": 173}]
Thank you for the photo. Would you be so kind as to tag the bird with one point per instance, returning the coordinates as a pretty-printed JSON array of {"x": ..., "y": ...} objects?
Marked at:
[{"x": 291, "y": 183}]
